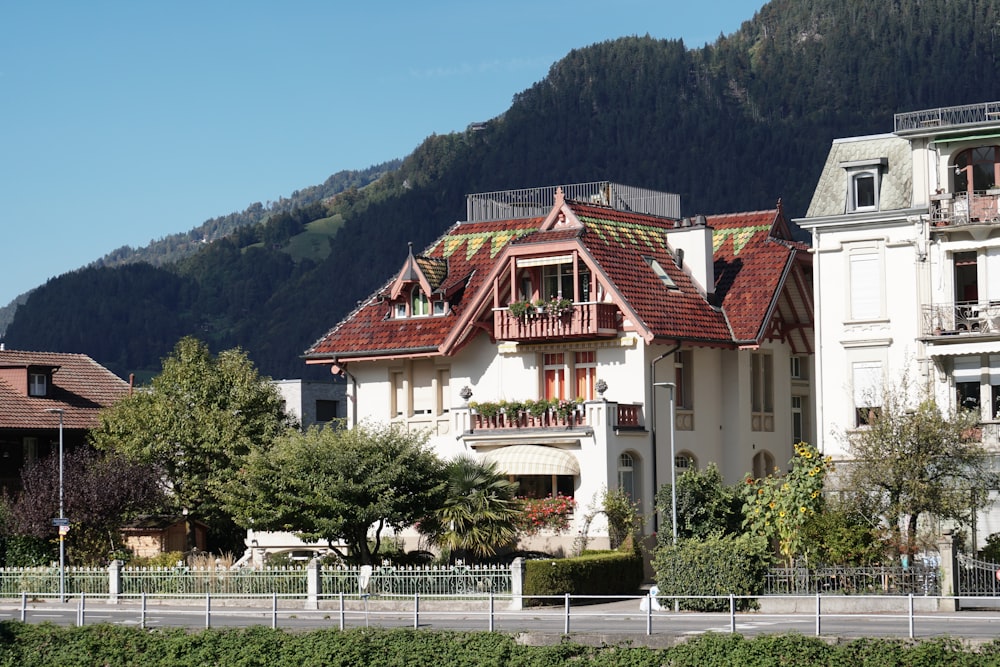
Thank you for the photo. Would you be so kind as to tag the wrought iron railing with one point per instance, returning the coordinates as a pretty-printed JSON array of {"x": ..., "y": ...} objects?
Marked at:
[
  {"x": 961, "y": 318},
  {"x": 188, "y": 580},
  {"x": 963, "y": 208},
  {"x": 889, "y": 580},
  {"x": 967, "y": 114},
  {"x": 459, "y": 580}
]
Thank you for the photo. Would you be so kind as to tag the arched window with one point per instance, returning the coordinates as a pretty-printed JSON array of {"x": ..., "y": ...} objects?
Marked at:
[
  {"x": 418, "y": 303},
  {"x": 763, "y": 464},
  {"x": 684, "y": 461},
  {"x": 977, "y": 169},
  {"x": 629, "y": 475}
]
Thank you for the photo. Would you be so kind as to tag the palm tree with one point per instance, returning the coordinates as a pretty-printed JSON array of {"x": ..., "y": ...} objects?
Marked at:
[{"x": 479, "y": 513}]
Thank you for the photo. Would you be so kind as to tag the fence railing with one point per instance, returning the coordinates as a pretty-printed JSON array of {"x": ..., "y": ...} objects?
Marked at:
[
  {"x": 461, "y": 580},
  {"x": 895, "y": 580}
]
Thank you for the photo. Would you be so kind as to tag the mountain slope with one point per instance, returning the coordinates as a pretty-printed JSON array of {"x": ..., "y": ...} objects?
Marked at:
[{"x": 732, "y": 126}]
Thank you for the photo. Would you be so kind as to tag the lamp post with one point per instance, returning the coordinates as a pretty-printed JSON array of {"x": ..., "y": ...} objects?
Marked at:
[
  {"x": 61, "y": 520},
  {"x": 673, "y": 458}
]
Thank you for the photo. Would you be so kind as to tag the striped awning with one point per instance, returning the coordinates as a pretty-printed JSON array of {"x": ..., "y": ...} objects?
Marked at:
[
  {"x": 534, "y": 460},
  {"x": 962, "y": 349}
]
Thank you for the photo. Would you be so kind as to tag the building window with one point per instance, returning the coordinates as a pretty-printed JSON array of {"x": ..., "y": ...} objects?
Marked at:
[
  {"x": 419, "y": 388},
  {"x": 684, "y": 379},
  {"x": 326, "y": 410},
  {"x": 585, "y": 372},
  {"x": 419, "y": 305},
  {"x": 797, "y": 369},
  {"x": 867, "y": 386},
  {"x": 866, "y": 285},
  {"x": 763, "y": 464},
  {"x": 554, "y": 375},
  {"x": 544, "y": 486},
  {"x": 864, "y": 191},
  {"x": 38, "y": 384},
  {"x": 440, "y": 307},
  {"x": 798, "y": 420},
  {"x": 628, "y": 478},
  {"x": 557, "y": 282},
  {"x": 685, "y": 461},
  {"x": 982, "y": 164},
  {"x": 762, "y": 391},
  {"x": 399, "y": 310}
]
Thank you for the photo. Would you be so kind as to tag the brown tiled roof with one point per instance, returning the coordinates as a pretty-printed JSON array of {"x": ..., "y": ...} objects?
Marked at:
[
  {"x": 470, "y": 249},
  {"x": 750, "y": 264},
  {"x": 80, "y": 387},
  {"x": 750, "y": 256}
]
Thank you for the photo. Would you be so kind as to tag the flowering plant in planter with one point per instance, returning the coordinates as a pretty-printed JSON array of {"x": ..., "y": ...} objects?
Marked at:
[
  {"x": 566, "y": 408},
  {"x": 520, "y": 309},
  {"x": 551, "y": 513},
  {"x": 556, "y": 306}
]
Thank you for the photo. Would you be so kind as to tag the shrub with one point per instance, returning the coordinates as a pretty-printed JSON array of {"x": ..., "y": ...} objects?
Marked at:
[
  {"x": 550, "y": 513},
  {"x": 715, "y": 565},
  {"x": 591, "y": 573},
  {"x": 27, "y": 551}
]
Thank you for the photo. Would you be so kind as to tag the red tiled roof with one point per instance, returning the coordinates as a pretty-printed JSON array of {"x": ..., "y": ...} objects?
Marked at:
[
  {"x": 80, "y": 387},
  {"x": 750, "y": 264},
  {"x": 750, "y": 256},
  {"x": 471, "y": 250}
]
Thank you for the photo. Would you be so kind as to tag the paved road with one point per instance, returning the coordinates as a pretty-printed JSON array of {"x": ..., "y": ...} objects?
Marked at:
[{"x": 621, "y": 618}]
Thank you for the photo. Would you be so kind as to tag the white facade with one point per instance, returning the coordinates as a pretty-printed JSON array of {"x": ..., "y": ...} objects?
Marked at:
[{"x": 906, "y": 236}]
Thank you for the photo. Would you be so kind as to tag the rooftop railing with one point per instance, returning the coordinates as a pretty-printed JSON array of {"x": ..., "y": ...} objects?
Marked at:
[
  {"x": 532, "y": 202},
  {"x": 968, "y": 114}
]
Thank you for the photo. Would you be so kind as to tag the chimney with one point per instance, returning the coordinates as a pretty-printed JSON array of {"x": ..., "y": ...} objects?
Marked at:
[{"x": 692, "y": 247}]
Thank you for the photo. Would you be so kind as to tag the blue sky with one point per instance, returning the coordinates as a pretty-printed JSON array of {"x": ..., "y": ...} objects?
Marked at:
[{"x": 123, "y": 122}]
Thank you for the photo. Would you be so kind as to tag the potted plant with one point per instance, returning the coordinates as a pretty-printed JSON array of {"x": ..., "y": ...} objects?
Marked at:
[
  {"x": 539, "y": 306},
  {"x": 558, "y": 306},
  {"x": 519, "y": 309}
]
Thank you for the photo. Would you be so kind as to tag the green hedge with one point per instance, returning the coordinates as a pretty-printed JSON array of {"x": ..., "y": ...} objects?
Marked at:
[
  {"x": 46, "y": 645},
  {"x": 591, "y": 573},
  {"x": 715, "y": 565}
]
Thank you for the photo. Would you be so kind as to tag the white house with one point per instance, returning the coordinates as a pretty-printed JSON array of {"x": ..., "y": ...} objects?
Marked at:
[
  {"x": 906, "y": 237},
  {"x": 712, "y": 315}
]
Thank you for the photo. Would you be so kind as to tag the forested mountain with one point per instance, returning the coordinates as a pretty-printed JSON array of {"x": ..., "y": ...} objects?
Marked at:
[{"x": 732, "y": 126}]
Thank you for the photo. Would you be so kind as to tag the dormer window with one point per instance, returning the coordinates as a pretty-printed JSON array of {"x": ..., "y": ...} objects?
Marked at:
[
  {"x": 864, "y": 182},
  {"x": 38, "y": 384},
  {"x": 419, "y": 306}
]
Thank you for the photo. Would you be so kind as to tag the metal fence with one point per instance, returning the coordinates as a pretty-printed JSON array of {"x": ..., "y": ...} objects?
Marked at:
[
  {"x": 45, "y": 581},
  {"x": 461, "y": 580},
  {"x": 895, "y": 580},
  {"x": 185, "y": 580}
]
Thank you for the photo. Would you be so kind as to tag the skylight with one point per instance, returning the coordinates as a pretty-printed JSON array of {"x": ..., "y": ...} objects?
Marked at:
[{"x": 660, "y": 273}]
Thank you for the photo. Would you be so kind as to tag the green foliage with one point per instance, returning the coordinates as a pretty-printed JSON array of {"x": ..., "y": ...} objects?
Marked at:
[
  {"x": 165, "y": 559},
  {"x": 991, "y": 552},
  {"x": 198, "y": 422},
  {"x": 705, "y": 505},
  {"x": 624, "y": 520},
  {"x": 842, "y": 535},
  {"x": 479, "y": 513},
  {"x": 778, "y": 508},
  {"x": 27, "y": 645},
  {"x": 29, "y": 551},
  {"x": 591, "y": 573},
  {"x": 918, "y": 463},
  {"x": 713, "y": 565},
  {"x": 337, "y": 484}
]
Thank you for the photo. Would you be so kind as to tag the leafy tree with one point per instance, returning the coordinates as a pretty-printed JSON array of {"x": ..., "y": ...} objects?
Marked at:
[
  {"x": 778, "y": 508},
  {"x": 624, "y": 520},
  {"x": 705, "y": 505},
  {"x": 100, "y": 493},
  {"x": 338, "y": 485},
  {"x": 914, "y": 463},
  {"x": 480, "y": 511},
  {"x": 199, "y": 420}
]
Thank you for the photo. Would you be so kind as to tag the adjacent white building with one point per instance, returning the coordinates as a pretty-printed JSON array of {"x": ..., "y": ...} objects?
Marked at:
[{"x": 906, "y": 236}]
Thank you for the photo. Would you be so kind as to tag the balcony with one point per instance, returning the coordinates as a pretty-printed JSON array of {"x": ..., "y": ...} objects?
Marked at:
[
  {"x": 584, "y": 320},
  {"x": 948, "y": 322},
  {"x": 962, "y": 209}
]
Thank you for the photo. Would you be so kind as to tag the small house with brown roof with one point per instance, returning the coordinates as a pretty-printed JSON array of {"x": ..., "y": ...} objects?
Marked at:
[
  {"x": 36, "y": 389},
  {"x": 586, "y": 337}
]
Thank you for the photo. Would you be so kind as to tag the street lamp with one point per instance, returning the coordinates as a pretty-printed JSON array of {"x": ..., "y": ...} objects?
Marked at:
[
  {"x": 61, "y": 520},
  {"x": 673, "y": 458}
]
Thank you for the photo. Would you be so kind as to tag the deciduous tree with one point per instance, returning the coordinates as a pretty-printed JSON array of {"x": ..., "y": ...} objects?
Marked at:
[
  {"x": 338, "y": 486},
  {"x": 199, "y": 420}
]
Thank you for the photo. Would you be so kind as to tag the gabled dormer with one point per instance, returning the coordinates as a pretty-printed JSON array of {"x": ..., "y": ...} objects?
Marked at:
[
  {"x": 32, "y": 380},
  {"x": 416, "y": 291}
]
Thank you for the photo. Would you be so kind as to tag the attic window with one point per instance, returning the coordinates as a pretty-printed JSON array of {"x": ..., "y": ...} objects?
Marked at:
[
  {"x": 38, "y": 384},
  {"x": 660, "y": 273},
  {"x": 864, "y": 182},
  {"x": 417, "y": 305}
]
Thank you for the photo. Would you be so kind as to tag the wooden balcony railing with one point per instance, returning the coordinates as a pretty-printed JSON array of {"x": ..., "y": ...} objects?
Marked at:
[
  {"x": 550, "y": 419},
  {"x": 585, "y": 320}
]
